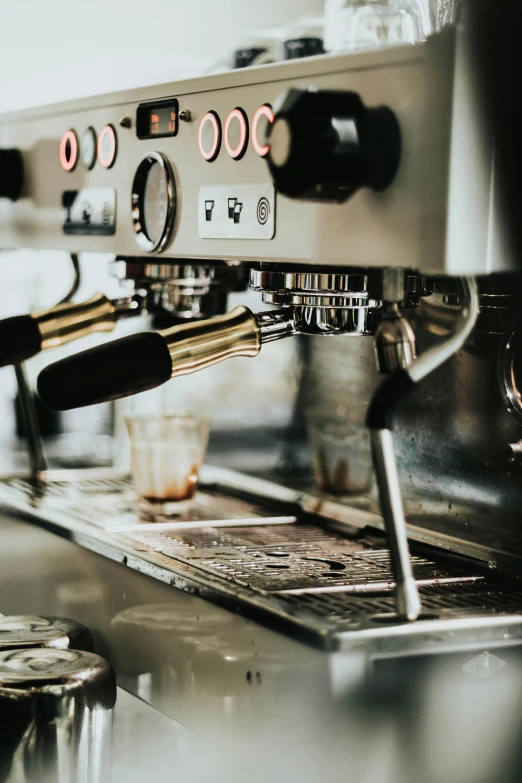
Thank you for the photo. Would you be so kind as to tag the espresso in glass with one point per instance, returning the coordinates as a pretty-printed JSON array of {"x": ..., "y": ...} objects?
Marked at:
[{"x": 166, "y": 455}]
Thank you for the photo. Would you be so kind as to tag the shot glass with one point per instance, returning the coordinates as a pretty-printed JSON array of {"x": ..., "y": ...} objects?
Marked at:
[
  {"x": 341, "y": 454},
  {"x": 166, "y": 455}
]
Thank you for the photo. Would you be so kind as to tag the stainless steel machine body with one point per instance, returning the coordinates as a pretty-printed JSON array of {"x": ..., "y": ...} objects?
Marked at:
[{"x": 418, "y": 223}]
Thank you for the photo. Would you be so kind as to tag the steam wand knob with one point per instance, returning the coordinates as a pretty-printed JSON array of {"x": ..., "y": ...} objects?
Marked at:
[{"x": 326, "y": 144}]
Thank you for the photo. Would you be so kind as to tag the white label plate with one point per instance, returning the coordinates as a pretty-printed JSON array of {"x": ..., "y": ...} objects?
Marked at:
[{"x": 236, "y": 212}]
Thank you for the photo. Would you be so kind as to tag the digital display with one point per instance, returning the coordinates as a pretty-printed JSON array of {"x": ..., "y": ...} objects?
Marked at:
[
  {"x": 164, "y": 121},
  {"x": 157, "y": 119}
]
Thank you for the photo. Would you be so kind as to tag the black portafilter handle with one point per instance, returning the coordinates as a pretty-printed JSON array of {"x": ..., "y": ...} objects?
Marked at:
[
  {"x": 107, "y": 372},
  {"x": 143, "y": 361},
  {"x": 20, "y": 339},
  {"x": 23, "y": 336}
]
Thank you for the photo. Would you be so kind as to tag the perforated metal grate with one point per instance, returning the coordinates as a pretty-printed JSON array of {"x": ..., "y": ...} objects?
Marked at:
[
  {"x": 297, "y": 557},
  {"x": 459, "y": 599}
]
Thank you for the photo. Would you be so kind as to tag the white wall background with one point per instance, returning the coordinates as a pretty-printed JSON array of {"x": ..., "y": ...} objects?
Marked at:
[{"x": 57, "y": 49}]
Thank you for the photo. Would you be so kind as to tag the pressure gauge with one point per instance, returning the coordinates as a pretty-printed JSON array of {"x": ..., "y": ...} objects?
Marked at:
[{"x": 153, "y": 202}]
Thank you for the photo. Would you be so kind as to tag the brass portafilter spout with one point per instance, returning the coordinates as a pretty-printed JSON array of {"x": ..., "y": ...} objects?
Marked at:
[
  {"x": 23, "y": 336},
  {"x": 148, "y": 359}
]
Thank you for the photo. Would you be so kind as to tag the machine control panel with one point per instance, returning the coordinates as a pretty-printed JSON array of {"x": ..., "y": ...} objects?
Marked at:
[{"x": 278, "y": 163}]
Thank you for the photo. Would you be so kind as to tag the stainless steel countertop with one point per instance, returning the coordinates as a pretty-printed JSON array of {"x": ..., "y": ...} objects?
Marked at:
[{"x": 262, "y": 706}]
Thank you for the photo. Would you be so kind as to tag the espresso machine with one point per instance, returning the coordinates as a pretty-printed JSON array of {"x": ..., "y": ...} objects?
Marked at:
[{"x": 357, "y": 195}]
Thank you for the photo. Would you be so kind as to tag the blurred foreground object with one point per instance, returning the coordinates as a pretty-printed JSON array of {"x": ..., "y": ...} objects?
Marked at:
[
  {"x": 497, "y": 57},
  {"x": 55, "y": 715}
]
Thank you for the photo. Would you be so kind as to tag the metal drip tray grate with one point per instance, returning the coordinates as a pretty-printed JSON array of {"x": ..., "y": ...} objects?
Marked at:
[
  {"x": 293, "y": 558},
  {"x": 255, "y": 556},
  {"x": 456, "y": 599}
]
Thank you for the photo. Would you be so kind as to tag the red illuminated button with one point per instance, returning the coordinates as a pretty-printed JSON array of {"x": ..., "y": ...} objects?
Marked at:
[
  {"x": 209, "y": 135},
  {"x": 236, "y": 133},
  {"x": 107, "y": 146},
  {"x": 263, "y": 117},
  {"x": 69, "y": 150}
]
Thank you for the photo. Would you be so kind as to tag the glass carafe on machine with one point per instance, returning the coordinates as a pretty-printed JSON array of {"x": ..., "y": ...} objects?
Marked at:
[{"x": 352, "y": 25}]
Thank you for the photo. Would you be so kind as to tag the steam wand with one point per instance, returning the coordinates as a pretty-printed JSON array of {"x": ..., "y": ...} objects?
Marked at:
[{"x": 380, "y": 422}]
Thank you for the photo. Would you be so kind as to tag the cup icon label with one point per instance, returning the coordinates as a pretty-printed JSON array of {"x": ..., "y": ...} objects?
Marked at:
[{"x": 236, "y": 212}]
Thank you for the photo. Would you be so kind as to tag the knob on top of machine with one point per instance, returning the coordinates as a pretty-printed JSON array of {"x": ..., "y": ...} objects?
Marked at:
[
  {"x": 11, "y": 174},
  {"x": 325, "y": 145}
]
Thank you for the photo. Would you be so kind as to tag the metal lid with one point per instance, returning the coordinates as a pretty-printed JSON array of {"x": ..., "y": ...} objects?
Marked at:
[
  {"x": 59, "y": 674},
  {"x": 34, "y": 631}
]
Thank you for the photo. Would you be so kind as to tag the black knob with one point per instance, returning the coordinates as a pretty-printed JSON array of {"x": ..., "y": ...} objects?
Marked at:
[
  {"x": 11, "y": 174},
  {"x": 247, "y": 56},
  {"x": 309, "y": 46},
  {"x": 20, "y": 338},
  {"x": 325, "y": 145}
]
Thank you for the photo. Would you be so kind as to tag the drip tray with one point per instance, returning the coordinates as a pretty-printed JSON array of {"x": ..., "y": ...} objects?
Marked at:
[
  {"x": 291, "y": 559},
  {"x": 253, "y": 555}
]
